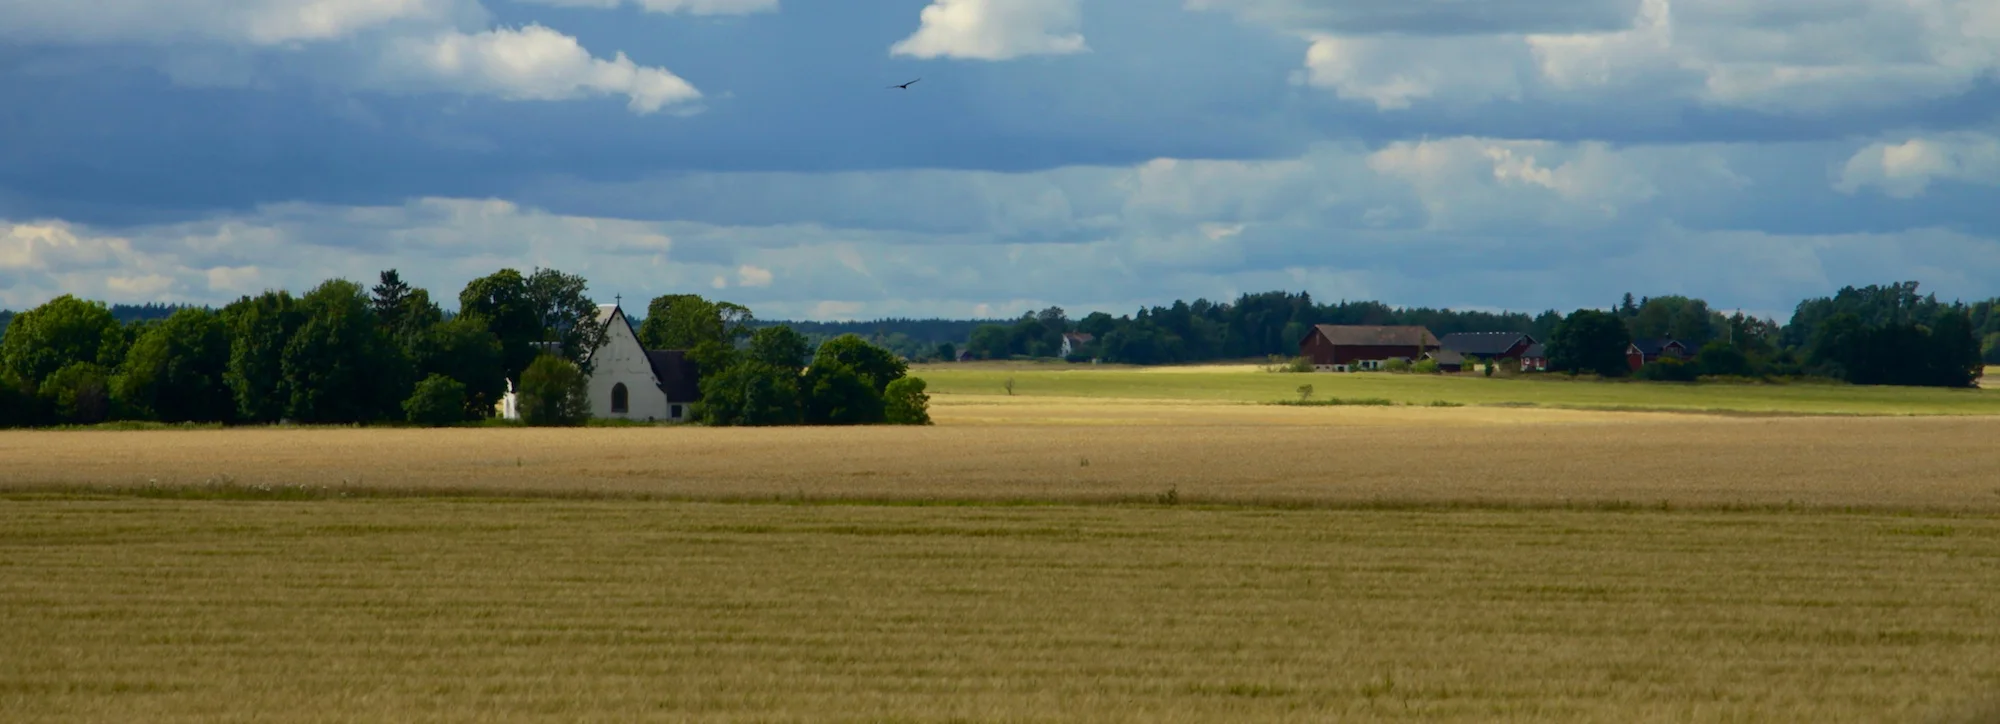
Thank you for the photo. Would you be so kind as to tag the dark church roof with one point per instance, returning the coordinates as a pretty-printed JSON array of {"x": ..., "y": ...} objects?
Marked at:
[{"x": 677, "y": 374}]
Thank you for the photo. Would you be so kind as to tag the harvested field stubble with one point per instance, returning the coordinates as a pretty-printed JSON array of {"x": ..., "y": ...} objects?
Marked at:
[
  {"x": 169, "y": 611},
  {"x": 1328, "y": 456}
]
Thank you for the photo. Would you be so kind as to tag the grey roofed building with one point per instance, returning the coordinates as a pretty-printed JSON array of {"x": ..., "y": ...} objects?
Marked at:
[{"x": 1488, "y": 344}]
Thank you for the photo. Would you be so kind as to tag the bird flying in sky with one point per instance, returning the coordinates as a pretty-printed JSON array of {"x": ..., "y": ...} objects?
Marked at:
[{"x": 905, "y": 86}]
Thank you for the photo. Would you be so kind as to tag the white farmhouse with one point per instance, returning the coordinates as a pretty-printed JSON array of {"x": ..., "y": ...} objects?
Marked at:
[{"x": 630, "y": 382}]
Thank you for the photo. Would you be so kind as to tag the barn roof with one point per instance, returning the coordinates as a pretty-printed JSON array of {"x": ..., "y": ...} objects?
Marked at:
[
  {"x": 1361, "y": 335},
  {"x": 1483, "y": 343},
  {"x": 1655, "y": 346},
  {"x": 1446, "y": 357},
  {"x": 1535, "y": 350}
]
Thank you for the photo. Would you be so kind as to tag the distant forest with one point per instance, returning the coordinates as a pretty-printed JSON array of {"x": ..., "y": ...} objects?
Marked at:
[
  {"x": 911, "y": 338},
  {"x": 124, "y": 313},
  {"x": 1255, "y": 326}
]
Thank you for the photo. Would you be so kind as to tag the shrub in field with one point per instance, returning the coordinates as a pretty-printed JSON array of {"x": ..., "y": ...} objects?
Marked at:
[
  {"x": 906, "y": 403},
  {"x": 1305, "y": 392},
  {"x": 1396, "y": 365},
  {"x": 437, "y": 401},
  {"x": 554, "y": 393},
  {"x": 1425, "y": 367},
  {"x": 1337, "y": 402},
  {"x": 1281, "y": 363}
]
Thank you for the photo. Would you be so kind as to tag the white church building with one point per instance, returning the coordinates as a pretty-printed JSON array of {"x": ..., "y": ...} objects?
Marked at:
[{"x": 628, "y": 381}]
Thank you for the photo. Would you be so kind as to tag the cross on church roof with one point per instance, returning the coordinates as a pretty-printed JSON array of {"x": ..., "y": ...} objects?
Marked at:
[{"x": 618, "y": 300}]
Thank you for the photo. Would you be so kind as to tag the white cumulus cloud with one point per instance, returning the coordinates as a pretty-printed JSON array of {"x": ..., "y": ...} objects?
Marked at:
[
  {"x": 384, "y": 45},
  {"x": 259, "y": 22},
  {"x": 994, "y": 30},
  {"x": 1905, "y": 170},
  {"x": 530, "y": 63},
  {"x": 751, "y": 276},
  {"x": 1383, "y": 71},
  {"x": 1769, "y": 55}
]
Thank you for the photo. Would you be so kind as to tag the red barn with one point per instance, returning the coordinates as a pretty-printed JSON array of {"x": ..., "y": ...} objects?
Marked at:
[
  {"x": 1342, "y": 347},
  {"x": 1651, "y": 350},
  {"x": 1535, "y": 359}
]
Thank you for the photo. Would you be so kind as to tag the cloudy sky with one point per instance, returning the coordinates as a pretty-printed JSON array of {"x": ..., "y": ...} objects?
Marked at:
[{"x": 1096, "y": 154}]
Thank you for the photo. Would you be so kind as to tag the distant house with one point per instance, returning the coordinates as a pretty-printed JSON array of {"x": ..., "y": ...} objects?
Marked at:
[
  {"x": 1535, "y": 358},
  {"x": 1343, "y": 347},
  {"x": 1488, "y": 345},
  {"x": 1651, "y": 350},
  {"x": 1447, "y": 360},
  {"x": 1072, "y": 342}
]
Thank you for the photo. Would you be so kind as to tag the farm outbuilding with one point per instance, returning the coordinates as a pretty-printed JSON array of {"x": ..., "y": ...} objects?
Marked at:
[
  {"x": 1347, "y": 347},
  {"x": 1535, "y": 358},
  {"x": 1488, "y": 345},
  {"x": 1651, "y": 350},
  {"x": 1447, "y": 360}
]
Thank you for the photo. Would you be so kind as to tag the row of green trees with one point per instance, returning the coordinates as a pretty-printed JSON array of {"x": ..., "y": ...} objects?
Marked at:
[
  {"x": 337, "y": 354},
  {"x": 754, "y": 374},
  {"x": 1253, "y": 326},
  {"x": 342, "y": 354},
  {"x": 1939, "y": 350},
  {"x": 778, "y": 379},
  {"x": 1890, "y": 319}
]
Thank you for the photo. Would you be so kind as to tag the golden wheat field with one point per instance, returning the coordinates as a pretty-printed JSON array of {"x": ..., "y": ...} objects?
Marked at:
[
  {"x": 464, "y": 610},
  {"x": 1039, "y": 449},
  {"x": 1028, "y": 558}
]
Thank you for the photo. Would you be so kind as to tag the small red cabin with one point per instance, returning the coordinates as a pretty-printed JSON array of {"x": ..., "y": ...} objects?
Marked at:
[{"x": 1651, "y": 350}]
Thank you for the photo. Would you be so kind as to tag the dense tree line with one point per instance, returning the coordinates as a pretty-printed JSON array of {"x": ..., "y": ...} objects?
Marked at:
[
  {"x": 765, "y": 374},
  {"x": 1881, "y": 334},
  {"x": 338, "y": 354},
  {"x": 1874, "y": 335},
  {"x": 1253, "y": 326},
  {"x": 915, "y": 339},
  {"x": 345, "y": 354}
]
